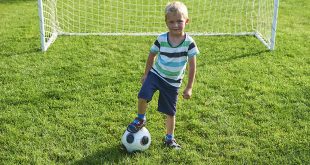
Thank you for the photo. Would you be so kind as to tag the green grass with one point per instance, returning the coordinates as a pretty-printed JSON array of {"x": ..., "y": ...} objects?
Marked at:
[{"x": 72, "y": 104}]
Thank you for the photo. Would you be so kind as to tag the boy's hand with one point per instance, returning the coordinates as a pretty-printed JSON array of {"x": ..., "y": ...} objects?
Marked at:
[{"x": 187, "y": 93}]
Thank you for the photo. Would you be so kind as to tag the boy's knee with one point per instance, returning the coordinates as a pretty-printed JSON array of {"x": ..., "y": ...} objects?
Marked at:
[
  {"x": 142, "y": 100},
  {"x": 170, "y": 116}
]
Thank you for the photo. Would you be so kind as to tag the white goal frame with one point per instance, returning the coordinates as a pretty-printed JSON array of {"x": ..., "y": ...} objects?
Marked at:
[{"x": 216, "y": 18}]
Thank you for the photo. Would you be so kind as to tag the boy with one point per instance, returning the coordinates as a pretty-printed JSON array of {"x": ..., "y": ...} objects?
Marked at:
[{"x": 173, "y": 50}]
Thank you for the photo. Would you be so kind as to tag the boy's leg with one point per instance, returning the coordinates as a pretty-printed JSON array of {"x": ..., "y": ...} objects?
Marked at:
[
  {"x": 169, "y": 139},
  {"x": 142, "y": 105},
  {"x": 167, "y": 100},
  {"x": 170, "y": 125},
  {"x": 145, "y": 95},
  {"x": 139, "y": 121}
]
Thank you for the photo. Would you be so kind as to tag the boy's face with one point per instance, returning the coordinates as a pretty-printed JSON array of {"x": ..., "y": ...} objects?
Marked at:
[{"x": 176, "y": 23}]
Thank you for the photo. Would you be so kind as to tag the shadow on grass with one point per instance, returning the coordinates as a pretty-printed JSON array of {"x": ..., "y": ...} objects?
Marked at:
[
  {"x": 238, "y": 56},
  {"x": 245, "y": 55},
  {"x": 19, "y": 44},
  {"x": 111, "y": 155},
  {"x": 21, "y": 52}
]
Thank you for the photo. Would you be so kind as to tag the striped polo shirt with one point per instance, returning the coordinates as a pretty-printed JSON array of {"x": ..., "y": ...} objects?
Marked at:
[{"x": 171, "y": 61}]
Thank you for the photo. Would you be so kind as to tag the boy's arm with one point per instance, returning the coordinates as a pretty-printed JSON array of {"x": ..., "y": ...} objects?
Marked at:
[
  {"x": 191, "y": 77},
  {"x": 149, "y": 64}
]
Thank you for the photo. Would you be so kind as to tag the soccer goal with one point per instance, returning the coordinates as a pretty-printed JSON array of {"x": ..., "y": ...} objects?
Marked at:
[{"x": 146, "y": 17}]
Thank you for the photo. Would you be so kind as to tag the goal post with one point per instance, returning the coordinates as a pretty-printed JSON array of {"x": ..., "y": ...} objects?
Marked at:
[
  {"x": 48, "y": 22},
  {"x": 146, "y": 17}
]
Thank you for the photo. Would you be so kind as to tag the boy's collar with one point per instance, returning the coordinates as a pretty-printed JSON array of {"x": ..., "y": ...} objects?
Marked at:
[{"x": 185, "y": 36}]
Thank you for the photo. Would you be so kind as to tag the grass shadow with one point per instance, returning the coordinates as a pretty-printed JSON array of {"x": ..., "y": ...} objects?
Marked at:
[
  {"x": 22, "y": 52},
  {"x": 112, "y": 155},
  {"x": 236, "y": 56},
  {"x": 245, "y": 55}
]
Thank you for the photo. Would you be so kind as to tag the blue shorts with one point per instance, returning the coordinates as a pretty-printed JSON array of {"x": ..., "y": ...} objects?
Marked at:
[{"x": 168, "y": 94}]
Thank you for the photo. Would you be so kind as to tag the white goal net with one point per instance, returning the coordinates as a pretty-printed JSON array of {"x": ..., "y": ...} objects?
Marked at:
[{"x": 146, "y": 17}]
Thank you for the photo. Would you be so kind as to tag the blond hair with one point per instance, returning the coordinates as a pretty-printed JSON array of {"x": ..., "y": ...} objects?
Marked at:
[{"x": 176, "y": 7}]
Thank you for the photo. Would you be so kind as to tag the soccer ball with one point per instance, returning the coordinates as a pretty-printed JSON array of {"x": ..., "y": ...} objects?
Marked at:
[{"x": 138, "y": 141}]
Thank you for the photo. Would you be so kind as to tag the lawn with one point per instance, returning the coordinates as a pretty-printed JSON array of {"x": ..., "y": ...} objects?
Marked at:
[{"x": 71, "y": 104}]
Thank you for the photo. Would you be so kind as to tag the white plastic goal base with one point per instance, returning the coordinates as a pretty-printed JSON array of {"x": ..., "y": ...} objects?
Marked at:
[{"x": 146, "y": 17}]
